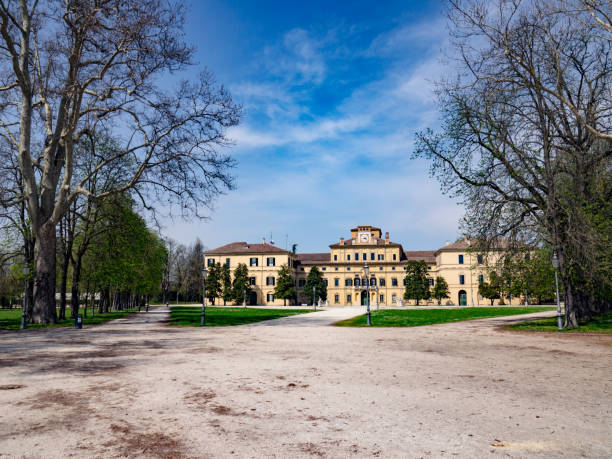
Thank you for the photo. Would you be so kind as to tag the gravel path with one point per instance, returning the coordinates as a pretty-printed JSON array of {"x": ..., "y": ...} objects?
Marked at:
[{"x": 295, "y": 387}]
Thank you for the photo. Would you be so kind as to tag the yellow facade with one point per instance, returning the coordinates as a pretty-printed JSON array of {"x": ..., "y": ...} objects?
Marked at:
[{"x": 343, "y": 269}]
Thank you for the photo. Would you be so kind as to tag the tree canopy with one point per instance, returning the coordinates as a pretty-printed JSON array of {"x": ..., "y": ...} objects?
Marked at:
[{"x": 417, "y": 281}]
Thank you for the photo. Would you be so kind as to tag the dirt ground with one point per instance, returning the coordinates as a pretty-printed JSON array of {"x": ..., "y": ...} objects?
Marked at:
[{"x": 138, "y": 388}]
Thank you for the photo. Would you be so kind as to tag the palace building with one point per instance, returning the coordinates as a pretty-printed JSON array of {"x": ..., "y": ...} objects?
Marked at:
[{"x": 343, "y": 269}]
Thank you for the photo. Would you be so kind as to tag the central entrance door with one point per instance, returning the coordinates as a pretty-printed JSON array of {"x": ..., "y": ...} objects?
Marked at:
[
  {"x": 253, "y": 298},
  {"x": 364, "y": 298},
  {"x": 462, "y": 298}
]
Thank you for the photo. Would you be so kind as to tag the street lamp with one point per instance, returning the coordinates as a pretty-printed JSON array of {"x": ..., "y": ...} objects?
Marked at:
[
  {"x": 555, "y": 263},
  {"x": 26, "y": 272},
  {"x": 314, "y": 305},
  {"x": 366, "y": 270},
  {"x": 203, "y": 317}
]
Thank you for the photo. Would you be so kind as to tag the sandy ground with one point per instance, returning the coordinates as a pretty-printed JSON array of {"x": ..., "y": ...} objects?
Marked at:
[{"x": 297, "y": 387}]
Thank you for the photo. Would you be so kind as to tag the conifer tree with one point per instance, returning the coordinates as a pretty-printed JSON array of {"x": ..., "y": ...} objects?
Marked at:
[
  {"x": 417, "y": 283},
  {"x": 241, "y": 288},
  {"x": 285, "y": 285},
  {"x": 315, "y": 285},
  {"x": 213, "y": 283},
  {"x": 226, "y": 281},
  {"x": 440, "y": 290}
]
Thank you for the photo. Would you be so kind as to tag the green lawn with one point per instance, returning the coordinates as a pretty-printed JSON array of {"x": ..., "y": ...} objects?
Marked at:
[
  {"x": 11, "y": 319},
  {"x": 418, "y": 317},
  {"x": 218, "y": 316},
  {"x": 601, "y": 324}
]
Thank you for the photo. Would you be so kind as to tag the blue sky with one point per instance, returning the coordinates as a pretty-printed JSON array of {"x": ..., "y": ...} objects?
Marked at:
[{"x": 333, "y": 93}]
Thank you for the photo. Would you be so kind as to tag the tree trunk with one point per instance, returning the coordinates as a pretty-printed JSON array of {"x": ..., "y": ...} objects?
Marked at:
[
  {"x": 63, "y": 286},
  {"x": 44, "y": 311},
  {"x": 76, "y": 279}
]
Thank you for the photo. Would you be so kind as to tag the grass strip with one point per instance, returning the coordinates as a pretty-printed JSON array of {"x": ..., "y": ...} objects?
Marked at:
[
  {"x": 219, "y": 316},
  {"x": 419, "y": 317},
  {"x": 601, "y": 324},
  {"x": 10, "y": 319}
]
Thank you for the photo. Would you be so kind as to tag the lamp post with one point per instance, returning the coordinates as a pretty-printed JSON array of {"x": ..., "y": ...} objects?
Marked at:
[
  {"x": 366, "y": 270},
  {"x": 26, "y": 272},
  {"x": 203, "y": 317},
  {"x": 555, "y": 263}
]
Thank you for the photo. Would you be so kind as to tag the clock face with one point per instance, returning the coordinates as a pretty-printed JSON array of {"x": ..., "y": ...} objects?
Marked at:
[{"x": 364, "y": 237}]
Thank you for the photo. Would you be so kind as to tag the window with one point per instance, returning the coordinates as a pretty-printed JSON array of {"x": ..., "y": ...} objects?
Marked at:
[
  {"x": 270, "y": 297},
  {"x": 270, "y": 280},
  {"x": 461, "y": 279},
  {"x": 430, "y": 281},
  {"x": 211, "y": 261},
  {"x": 227, "y": 261},
  {"x": 460, "y": 259},
  {"x": 381, "y": 257},
  {"x": 271, "y": 261},
  {"x": 393, "y": 268},
  {"x": 336, "y": 269},
  {"x": 480, "y": 278},
  {"x": 356, "y": 256},
  {"x": 348, "y": 299},
  {"x": 479, "y": 259},
  {"x": 348, "y": 269},
  {"x": 372, "y": 256},
  {"x": 348, "y": 257},
  {"x": 336, "y": 282},
  {"x": 429, "y": 267},
  {"x": 405, "y": 281},
  {"x": 382, "y": 298},
  {"x": 335, "y": 257},
  {"x": 394, "y": 256},
  {"x": 325, "y": 282},
  {"x": 357, "y": 282},
  {"x": 365, "y": 256},
  {"x": 253, "y": 261},
  {"x": 336, "y": 298},
  {"x": 373, "y": 281},
  {"x": 381, "y": 281},
  {"x": 364, "y": 282},
  {"x": 323, "y": 268},
  {"x": 301, "y": 282},
  {"x": 393, "y": 298},
  {"x": 348, "y": 282},
  {"x": 394, "y": 281},
  {"x": 251, "y": 281}
]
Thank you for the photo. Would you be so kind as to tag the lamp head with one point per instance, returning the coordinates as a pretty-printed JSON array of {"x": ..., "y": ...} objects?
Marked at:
[{"x": 555, "y": 260}]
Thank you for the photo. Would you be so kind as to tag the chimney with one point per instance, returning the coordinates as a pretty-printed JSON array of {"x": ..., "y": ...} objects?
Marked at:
[
  {"x": 447, "y": 242},
  {"x": 263, "y": 240},
  {"x": 387, "y": 238},
  {"x": 341, "y": 241}
]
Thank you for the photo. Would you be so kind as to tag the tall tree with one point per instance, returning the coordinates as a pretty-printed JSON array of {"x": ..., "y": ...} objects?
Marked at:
[
  {"x": 491, "y": 289},
  {"x": 79, "y": 68},
  {"x": 417, "y": 281},
  {"x": 241, "y": 288},
  {"x": 213, "y": 283},
  {"x": 315, "y": 287},
  {"x": 526, "y": 137},
  {"x": 226, "y": 284},
  {"x": 285, "y": 285},
  {"x": 440, "y": 290}
]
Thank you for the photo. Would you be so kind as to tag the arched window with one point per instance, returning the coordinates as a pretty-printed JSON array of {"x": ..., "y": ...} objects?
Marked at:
[
  {"x": 357, "y": 282},
  {"x": 373, "y": 281}
]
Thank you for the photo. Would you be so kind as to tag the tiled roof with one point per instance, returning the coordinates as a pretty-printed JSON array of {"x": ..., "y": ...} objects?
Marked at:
[
  {"x": 425, "y": 255},
  {"x": 464, "y": 244},
  {"x": 244, "y": 247},
  {"x": 313, "y": 257}
]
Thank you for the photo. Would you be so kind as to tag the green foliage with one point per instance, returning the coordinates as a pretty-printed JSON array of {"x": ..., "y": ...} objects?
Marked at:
[
  {"x": 491, "y": 289},
  {"x": 11, "y": 319},
  {"x": 417, "y": 283},
  {"x": 214, "y": 287},
  {"x": 241, "y": 289},
  {"x": 415, "y": 318},
  {"x": 315, "y": 284},
  {"x": 226, "y": 284},
  {"x": 440, "y": 290},
  {"x": 599, "y": 324},
  {"x": 216, "y": 316},
  {"x": 127, "y": 257},
  {"x": 285, "y": 285}
]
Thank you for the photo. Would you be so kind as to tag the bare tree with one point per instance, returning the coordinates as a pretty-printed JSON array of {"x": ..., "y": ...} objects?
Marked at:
[
  {"x": 71, "y": 69},
  {"x": 527, "y": 135}
]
